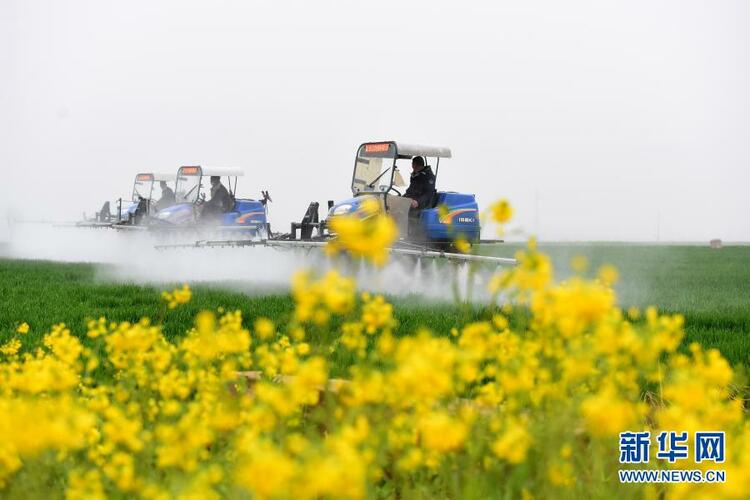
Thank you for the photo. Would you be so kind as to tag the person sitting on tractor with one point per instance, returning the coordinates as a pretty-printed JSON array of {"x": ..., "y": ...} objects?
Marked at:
[
  {"x": 167, "y": 196},
  {"x": 421, "y": 185},
  {"x": 220, "y": 202}
]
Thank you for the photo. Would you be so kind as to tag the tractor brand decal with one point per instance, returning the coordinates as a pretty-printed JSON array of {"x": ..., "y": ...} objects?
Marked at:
[
  {"x": 382, "y": 147},
  {"x": 190, "y": 170},
  {"x": 448, "y": 218},
  {"x": 144, "y": 177},
  {"x": 244, "y": 217}
]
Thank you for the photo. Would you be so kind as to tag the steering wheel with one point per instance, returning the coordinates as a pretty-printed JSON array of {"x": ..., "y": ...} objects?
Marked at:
[
  {"x": 201, "y": 199},
  {"x": 396, "y": 191}
]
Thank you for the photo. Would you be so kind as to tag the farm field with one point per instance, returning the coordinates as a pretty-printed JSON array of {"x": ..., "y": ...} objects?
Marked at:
[
  {"x": 44, "y": 293},
  {"x": 710, "y": 288},
  {"x": 480, "y": 406}
]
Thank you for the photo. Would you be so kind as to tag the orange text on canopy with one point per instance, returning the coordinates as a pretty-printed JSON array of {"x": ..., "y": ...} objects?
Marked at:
[
  {"x": 190, "y": 170},
  {"x": 381, "y": 147}
]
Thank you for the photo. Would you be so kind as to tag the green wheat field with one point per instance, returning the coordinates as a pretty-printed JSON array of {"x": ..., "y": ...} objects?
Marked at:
[{"x": 711, "y": 288}]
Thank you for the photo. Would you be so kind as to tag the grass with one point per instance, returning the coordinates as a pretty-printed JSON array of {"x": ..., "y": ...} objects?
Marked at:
[
  {"x": 45, "y": 293},
  {"x": 710, "y": 287}
]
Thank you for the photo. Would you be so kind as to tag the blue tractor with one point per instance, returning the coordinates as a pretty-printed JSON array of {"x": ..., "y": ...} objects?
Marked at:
[
  {"x": 126, "y": 213},
  {"x": 377, "y": 173},
  {"x": 245, "y": 216},
  {"x": 427, "y": 232}
]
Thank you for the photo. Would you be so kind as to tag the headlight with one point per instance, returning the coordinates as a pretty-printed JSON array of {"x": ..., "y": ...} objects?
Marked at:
[{"x": 341, "y": 209}]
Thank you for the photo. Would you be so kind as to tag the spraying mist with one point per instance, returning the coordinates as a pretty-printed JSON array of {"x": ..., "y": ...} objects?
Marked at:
[{"x": 134, "y": 258}]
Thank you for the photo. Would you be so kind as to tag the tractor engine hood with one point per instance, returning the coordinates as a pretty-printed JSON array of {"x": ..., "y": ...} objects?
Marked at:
[
  {"x": 345, "y": 207},
  {"x": 181, "y": 213},
  {"x": 130, "y": 208}
]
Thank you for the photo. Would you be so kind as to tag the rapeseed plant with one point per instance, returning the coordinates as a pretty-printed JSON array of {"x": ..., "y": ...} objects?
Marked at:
[{"x": 495, "y": 408}]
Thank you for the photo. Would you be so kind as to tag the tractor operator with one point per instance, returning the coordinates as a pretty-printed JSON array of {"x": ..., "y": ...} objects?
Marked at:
[
  {"x": 220, "y": 202},
  {"x": 167, "y": 196},
  {"x": 421, "y": 185}
]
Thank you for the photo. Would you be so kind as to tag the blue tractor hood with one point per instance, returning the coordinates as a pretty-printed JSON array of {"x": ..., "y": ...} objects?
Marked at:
[
  {"x": 128, "y": 212},
  {"x": 182, "y": 213},
  {"x": 460, "y": 217},
  {"x": 245, "y": 213},
  {"x": 348, "y": 206}
]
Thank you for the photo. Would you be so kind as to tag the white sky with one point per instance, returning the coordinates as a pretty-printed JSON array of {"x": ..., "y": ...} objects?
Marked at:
[{"x": 606, "y": 112}]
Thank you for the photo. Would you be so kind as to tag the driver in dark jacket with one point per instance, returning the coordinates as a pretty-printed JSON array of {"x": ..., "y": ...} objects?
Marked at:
[
  {"x": 421, "y": 185},
  {"x": 167, "y": 196},
  {"x": 220, "y": 202}
]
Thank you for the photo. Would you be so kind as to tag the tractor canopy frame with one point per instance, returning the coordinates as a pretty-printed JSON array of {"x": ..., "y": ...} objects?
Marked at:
[
  {"x": 385, "y": 154},
  {"x": 186, "y": 172},
  {"x": 148, "y": 181}
]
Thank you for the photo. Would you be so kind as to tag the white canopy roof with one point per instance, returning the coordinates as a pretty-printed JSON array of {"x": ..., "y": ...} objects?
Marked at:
[
  {"x": 419, "y": 150},
  {"x": 222, "y": 171},
  {"x": 157, "y": 176},
  {"x": 163, "y": 176}
]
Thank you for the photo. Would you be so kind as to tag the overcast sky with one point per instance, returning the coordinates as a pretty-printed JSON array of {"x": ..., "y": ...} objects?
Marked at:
[{"x": 592, "y": 117}]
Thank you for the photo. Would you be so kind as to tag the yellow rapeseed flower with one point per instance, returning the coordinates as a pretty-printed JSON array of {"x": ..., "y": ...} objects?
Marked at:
[
  {"x": 11, "y": 347},
  {"x": 462, "y": 245},
  {"x": 607, "y": 413},
  {"x": 608, "y": 275},
  {"x": 367, "y": 233},
  {"x": 579, "y": 263},
  {"x": 501, "y": 211},
  {"x": 264, "y": 328},
  {"x": 441, "y": 433},
  {"x": 513, "y": 443},
  {"x": 178, "y": 296}
]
